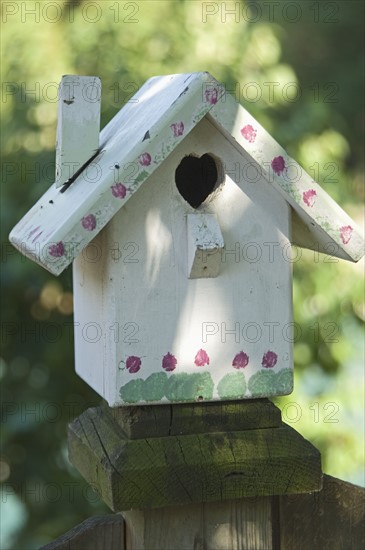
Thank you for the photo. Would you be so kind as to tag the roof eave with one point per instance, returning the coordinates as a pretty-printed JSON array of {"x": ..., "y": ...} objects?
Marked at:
[
  {"x": 320, "y": 223},
  {"x": 60, "y": 225}
]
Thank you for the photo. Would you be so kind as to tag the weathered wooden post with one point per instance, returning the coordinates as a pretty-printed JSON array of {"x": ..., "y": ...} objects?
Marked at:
[
  {"x": 200, "y": 475},
  {"x": 180, "y": 242}
]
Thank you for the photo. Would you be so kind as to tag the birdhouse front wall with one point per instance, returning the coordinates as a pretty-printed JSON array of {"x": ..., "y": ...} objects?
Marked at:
[{"x": 150, "y": 331}]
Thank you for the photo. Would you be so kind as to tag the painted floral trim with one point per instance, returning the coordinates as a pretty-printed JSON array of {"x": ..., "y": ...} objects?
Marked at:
[
  {"x": 169, "y": 362},
  {"x": 177, "y": 128},
  {"x": 145, "y": 159},
  {"x": 211, "y": 95},
  {"x": 278, "y": 165},
  {"x": 133, "y": 364},
  {"x": 291, "y": 190},
  {"x": 269, "y": 360},
  {"x": 166, "y": 148},
  {"x": 249, "y": 133},
  {"x": 324, "y": 223},
  {"x": 201, "y": 358},
  {"x": 89, "y": 222},
  {"x": 180, "y": 387},
  {"x": 266, "y": 383},
  {"x": 309, "y": 197},
  {"x": 199, "y": 386},
  {"x": 57, "y": 250},
  {"x": 119, "y": 190},
  {"x": 240, "y": 361},
  {"x": 346, "y": 233}
]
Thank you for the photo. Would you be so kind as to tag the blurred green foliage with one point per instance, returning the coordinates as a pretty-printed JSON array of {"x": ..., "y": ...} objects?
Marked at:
[{"x": 319, "y": 47}]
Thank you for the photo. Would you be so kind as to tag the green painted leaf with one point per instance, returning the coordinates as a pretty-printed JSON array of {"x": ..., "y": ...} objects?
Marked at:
[
  {"x": 232, "y": 386},
  {"x": 262, "y": 383},
  {"x": 132, "y": 391},
  {"x": 154, "y": 387},
  {"x": 284, "y": 381},
  {"x": 198, "y": 386},
  {"x": 175, "y": 387},
  {"x": 189, "y": 387}
]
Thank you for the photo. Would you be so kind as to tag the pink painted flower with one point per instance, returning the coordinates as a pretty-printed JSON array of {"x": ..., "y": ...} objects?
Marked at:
[
  {"x": 249, "y": 133},
  {"x": 201, "y": 358},
  {"x": 278, "y": 165},
  {"x": 269, "y": 359},
  {"x": 346, "y": 233},
  {"x": 119, "y": 190},
  {"x": 309, "y": 197},
  {"x": 89, "y": 222},
  {"x": 240, "y": 361},
  {"x": 145, "y": 159},
  {"x": 57, "y": 250},
  {"x": 133, "y": 364},
  {"x": 211, "y": 95},
  {"x": 177, "y": 128},
  {"x": 169, "y": 362}
]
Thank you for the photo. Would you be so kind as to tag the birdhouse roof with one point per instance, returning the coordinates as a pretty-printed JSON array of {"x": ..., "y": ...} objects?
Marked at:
[{"x": 139, "y": 138}]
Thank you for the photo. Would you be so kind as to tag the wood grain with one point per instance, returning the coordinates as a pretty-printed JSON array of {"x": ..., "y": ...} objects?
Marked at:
[
  {"x": 231, "y": 525},
  {"x": 153, "y": 472},
  {"x": 190, "y": 418},
  {"x": 78, "y": 124},
  {"x": 95, "y": 533},
  {"x": 332, "y": 519}
]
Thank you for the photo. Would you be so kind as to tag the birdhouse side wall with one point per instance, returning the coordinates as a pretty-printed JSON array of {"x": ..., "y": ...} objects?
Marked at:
[{"x": 95, "y": 317}]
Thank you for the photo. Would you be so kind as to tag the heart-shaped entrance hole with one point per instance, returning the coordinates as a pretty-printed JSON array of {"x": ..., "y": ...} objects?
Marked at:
[{"x": 196, "y": 178}]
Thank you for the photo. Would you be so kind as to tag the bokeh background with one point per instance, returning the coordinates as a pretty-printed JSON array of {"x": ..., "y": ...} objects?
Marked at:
[{"x": 312, "y": 54}]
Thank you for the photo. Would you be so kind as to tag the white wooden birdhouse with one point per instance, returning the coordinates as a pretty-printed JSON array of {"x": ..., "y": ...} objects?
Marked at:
[{"x": 179, "y": 221}]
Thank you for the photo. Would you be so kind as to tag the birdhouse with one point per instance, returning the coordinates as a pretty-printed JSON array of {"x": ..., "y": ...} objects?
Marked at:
[{"x": 179, "y": 220}]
